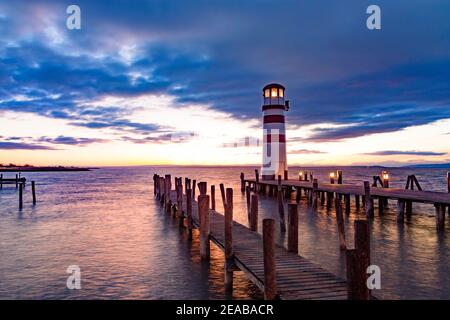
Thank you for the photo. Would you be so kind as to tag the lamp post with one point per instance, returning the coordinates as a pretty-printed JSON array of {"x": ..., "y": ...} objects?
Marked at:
[
  {"x": 385, "y": 179},
  {"x": 332, "y": 176}
]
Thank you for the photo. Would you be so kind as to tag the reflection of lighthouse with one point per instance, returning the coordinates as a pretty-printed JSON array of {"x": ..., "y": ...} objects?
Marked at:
[{"x": 274, "y": 146}]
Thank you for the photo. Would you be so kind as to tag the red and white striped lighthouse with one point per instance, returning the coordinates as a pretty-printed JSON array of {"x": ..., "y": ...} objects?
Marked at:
[{"x": 274, "y": 146}]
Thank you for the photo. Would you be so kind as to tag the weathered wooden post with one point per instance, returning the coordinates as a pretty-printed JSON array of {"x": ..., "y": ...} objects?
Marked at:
[
  {"x": 162, "y": 199},
  {"x": 314, "y": 193},
  {"x": 203, "y": 187},
  {"x": 347, "y": 203},
  {"x": 358, "y": 260},
  {"x": 286, "y": 175},
  {"x": 189, "y": 211},
  {"x": 33, "y": 191},
  {"x": 300, "y": 176},
  {"x": 293, "y": 228},
  {"x": 229, "y": 261},
  {"x": 168, "y": 188},
  {"x": 339, "y": 177},
  {"x": 329, "y": 199},
  {"x": 17, "y": 181},
  {"x": 247, "y": 195},
  {"x": 368, "y": 200},
  {"x": 1, "y": 181},
  {"x": 281, "y": 206},
  {"x": 20, "y": 196},
  {"x": 340, "y": 223},
  {"x": 203, "y": 213},
  {"x": 179, "y": 188},
  {"x": 440, "y": 216},
  {"x": 154, "y": 184},
  {"x": 256, "y": 180},
  {"x": 193, "y": 188},
  {"x": 242, "y": 182},
  {"x": 270, "y": 280},
  {"x": 253, "y": 219},
  {"x": 213, "y": 197},
  {"x": 222, "y": 193},
  {"x": 400, "y": 210}
]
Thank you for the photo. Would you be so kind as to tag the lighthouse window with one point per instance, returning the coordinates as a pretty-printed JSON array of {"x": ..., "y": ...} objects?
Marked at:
[
  {"x": 281, "y": 93},
  {"x": 267, "y": 93},
  {"x": 274, "y": 92}
]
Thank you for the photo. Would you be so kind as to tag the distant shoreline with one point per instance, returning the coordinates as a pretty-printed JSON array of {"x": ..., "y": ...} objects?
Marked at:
[{"x": 42, "y": 169}]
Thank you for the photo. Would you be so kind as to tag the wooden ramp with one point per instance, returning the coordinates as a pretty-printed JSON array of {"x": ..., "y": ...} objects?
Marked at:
[{"x": 297, "y": 278}]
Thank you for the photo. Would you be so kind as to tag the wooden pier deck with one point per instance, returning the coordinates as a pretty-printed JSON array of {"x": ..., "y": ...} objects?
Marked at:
[
  {"x": 296, "y": 277},
  {"x": 351, "y": 189}
]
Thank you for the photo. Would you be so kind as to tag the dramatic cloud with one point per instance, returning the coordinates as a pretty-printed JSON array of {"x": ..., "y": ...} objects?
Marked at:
[
  {"x": 221, "y": 53},
  {"x": 305, "y": 151},
  {"x": 70, "y": 140},
  {"x": 22, "y": 146},
  {"x": 398, "y": 152}
]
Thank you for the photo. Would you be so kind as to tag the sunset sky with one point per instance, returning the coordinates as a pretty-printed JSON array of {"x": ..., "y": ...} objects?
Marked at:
[{"x": 179, "y": 82}]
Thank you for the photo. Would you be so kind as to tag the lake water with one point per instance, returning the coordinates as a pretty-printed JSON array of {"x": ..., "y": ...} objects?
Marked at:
[{"x": 108, "y": 223}]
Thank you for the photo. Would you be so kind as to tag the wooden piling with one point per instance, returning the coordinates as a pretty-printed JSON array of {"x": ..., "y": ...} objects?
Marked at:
[
  {"x": 33, "y": 191},
  {"x": 400, "y": 210},
  {"x": 270, "y": 281},
  {"x": 17, "y": 181},
  {"x": 247, "y": 196},
  {"x": 286, "y": 175},
  {"x": 203, "y": 212},
  {"x": 357, "y": 204},
  {"x": 440, "y": 216},
  {"x": 20, "y": 196},
  {"x": 213, "y": 197},
  {"x": 189, "y": 211},
  {"x": 314, "y": 193},
  {"x": 347, "y": 203},
  {"x": 340, "y": 223},
  {"x": 203, "y": 188},
  {"x": 254, "y": 213},
  {"x": 222, "y": 193},
  {"x": 329, "y": 199},
  {"x": 368, "y": 200},
  {"x": 229, "y": 256},
  {"x": 257, "y": 180},
  {"x": 193, "y": 188},
  {"x": 1, "y": 181},
  {"x": 242, "y": 182},
  {"x": 281, "y": 210},
  {"x": 339, "y": 177},
  {"x": 357, "y": 261},
  {"x": 293, "y": 228},
  {"x": 179, "y": 189}
]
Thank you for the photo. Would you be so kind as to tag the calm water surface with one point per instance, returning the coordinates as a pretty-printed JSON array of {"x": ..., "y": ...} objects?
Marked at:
[{"x": 108, "y": 223}]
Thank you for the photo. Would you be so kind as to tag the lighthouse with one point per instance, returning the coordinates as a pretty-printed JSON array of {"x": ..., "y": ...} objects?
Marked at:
[{"x": 274, "y": 139}]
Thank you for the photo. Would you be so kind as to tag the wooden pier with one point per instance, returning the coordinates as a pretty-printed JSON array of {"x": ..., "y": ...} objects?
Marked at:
[
  {"x": 20, "y": 183},
  {"x": 326, "y": 192},
  {"x": 279, "y": 272}
]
